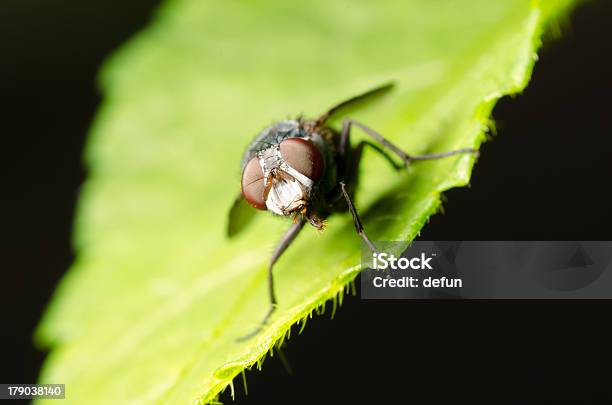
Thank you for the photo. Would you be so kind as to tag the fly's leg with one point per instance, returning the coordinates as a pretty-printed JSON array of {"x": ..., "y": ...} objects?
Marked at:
[
  {"x": 350, "y": 180},
  {"x": 284, "y": 243},
  {"x": 359, "y": 150},
  {"x": 356, "y": 220},
  {"x": 354, "y": 157},
  {"x": 406, "y": 158}
]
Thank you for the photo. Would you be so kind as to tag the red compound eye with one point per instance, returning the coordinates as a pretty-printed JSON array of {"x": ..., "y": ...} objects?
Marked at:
[
  {"x": 253, "y": 184},
  {"x": 303, "y": 156}
]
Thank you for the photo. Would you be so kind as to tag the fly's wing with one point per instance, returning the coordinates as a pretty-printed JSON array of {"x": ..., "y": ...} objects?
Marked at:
[
  {"x": 354, "y": 102},
  {"x": 240, "y": 215}
]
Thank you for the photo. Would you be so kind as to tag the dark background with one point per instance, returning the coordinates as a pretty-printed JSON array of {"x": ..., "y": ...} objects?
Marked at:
[{"x": 546, "y": 176}]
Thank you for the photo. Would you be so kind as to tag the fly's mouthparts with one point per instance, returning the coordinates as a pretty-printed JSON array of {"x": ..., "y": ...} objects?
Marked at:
[{"x": 317, "y": 222}]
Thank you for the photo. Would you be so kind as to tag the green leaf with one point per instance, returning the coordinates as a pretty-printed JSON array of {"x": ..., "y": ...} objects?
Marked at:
[{"x": 152, "y": 307}]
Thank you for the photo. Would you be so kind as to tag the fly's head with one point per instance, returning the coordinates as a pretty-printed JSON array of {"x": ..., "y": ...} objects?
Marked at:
[{"x": 283, "y": 178}]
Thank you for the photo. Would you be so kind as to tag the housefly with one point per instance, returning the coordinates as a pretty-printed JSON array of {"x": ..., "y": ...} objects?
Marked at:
[{"x": 306, "y": 170}]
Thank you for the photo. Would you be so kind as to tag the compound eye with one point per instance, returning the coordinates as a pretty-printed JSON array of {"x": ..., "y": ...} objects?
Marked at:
[
  {"x": 253, "y": 184},
  {"x": 303, "y": 156}
]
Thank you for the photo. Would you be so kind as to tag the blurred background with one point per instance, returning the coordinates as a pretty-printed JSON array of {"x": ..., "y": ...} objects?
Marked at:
[{"x": 545, "y": 176}]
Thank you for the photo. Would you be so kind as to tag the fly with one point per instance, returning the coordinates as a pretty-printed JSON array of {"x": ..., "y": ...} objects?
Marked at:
[{"x": 306, "y": 170}]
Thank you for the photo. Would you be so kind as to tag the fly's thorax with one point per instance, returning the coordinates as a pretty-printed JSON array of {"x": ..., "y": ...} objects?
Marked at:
[{"x": 274, "y": 135}]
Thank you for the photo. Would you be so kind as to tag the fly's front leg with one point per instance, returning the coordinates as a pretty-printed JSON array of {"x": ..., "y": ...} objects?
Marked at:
[
  {"x": 284, "y": 243},
  {"x": 407, "y": 159},
  {"x": 356, "y": 220}
]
